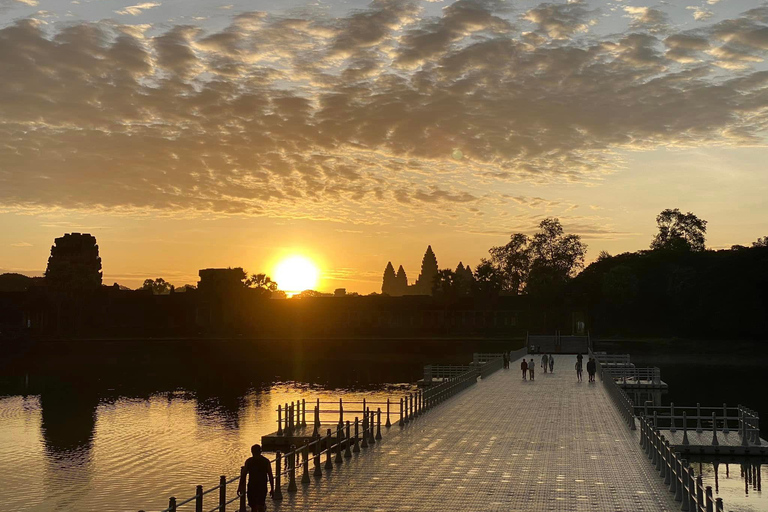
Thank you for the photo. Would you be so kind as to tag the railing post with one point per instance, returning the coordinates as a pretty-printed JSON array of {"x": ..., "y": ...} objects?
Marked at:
[
  {"x": 316, "y": 432},
  {"x": 291, "y": 469},
  {"x": 222, "y": 493},
  {"x": 388, "y": 424},
  {"x": 172, "y": 504},
  {"x": 287, "y": 428},
  {"x": 339, "y": 436},
  {"x": 698, "y": 418},
  {"x": 725, "y": 419},
  {"x": 744, "y": 439},
  {"x": 672, "y": 427},
  {"x": 412, "y": 407},
  {"x": 305, "y": 462},
  {"x": 279, "y": 420},
  {"x": 278, "y": 494},
  {"x": 407, "y": 418},
  {"x": 243, "y": 496},
  {"x": 341, "y": 412},
  {"x": 347, "y": 450},
  {"x": 699, "y": 491},
  {"x": 709, "y": 500},
  {"x": 356, "y": 448},
  {"x": 328, "y": 462},
  {"x": 714, "y": 429},
  {"x": 199, "y": 498},
  {"x": 401, "y": 420},
  {"x": 364, "y": 433},
  {"x": 718, "y": 504},
  {"x": 371, "y": 426},
  {"x": 318, "y": 449},
  {"x": 685, "y": 430},
  {"x": 378, "y": 424}
]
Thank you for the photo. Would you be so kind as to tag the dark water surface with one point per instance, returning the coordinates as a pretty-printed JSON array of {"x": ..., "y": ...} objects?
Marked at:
[{"x": 118, "y": 426}]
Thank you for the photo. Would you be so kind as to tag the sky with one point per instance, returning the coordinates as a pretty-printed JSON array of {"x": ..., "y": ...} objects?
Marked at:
[{"x": 189, "y": 134}]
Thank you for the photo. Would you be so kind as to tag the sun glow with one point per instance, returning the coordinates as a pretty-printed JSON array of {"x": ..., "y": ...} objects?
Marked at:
[{"x": 296, "y": 274}]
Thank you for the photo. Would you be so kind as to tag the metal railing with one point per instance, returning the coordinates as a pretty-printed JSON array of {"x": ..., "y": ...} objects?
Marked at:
[
  {"x": 699, "y": 419},
  {"x": 678, "y": 476},
  {"x": 442, "y": 371},
  {"x": 340, "y": 446},
  {"x": 612, "y": 359},
  {"x": 539, "y": 343},
  {"x": 632, "y": 375},
  {"x": 620, "y": 398}
]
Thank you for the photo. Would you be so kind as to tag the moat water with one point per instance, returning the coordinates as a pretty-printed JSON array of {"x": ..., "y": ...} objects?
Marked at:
[{"x": 118, "y": 435}]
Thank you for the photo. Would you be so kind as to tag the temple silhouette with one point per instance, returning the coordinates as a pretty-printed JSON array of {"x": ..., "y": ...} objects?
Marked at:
[{"x": 396, "y": 284}]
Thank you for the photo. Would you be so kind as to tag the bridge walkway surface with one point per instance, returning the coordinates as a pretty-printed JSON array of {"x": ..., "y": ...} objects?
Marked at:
[{"x": 502, "y": 445}]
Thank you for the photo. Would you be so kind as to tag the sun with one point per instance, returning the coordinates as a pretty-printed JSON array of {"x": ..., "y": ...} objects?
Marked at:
[{"x": 296, "y": 274}]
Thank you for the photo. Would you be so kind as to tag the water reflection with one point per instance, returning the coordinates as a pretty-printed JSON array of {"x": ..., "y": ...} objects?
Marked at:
[{"x": 68, "y": 419}]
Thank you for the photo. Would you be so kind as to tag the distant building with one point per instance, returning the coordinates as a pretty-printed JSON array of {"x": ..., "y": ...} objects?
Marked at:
[
  {"x": 423, "y": 284},
  {"x": 74, "y": 265},
  {"x": 396, "y": 285},
  {"x": 221, "y": 281}
]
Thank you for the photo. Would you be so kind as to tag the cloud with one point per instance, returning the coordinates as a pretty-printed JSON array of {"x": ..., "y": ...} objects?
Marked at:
[
  {"x": 700, "y": 13},
  {"x": 647, "y": 18},
  {"x": 135, "y": 10},
  {"x": 21, "y": 244},
  {"x": 349, "y": 118},
  {"x": 562, "y": 21}
]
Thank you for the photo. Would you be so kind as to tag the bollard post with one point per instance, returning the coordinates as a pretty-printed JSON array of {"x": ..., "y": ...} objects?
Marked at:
[
  {"x": 698, "y": 418},
  {"x": 278, "y": 494},
  {"x": 744, "y": 440},
  {"x": 406, "y": 419},
  {"x": 291, "y": 459},
  {"x": 714, "y": 430},
  {"x": 718, "y": 504},
  {"x": 356, "y": 448},
  {"x": 665, "y": 461},
  {"x": 378, "y": 424},
  {"x": 388, "y": 424},
  {"x": 347, "y": 450},
  {"x": 692, "y": 491},
  {"x": 199, "y": 498},
  {"x": 685, "y": 430},
  {"x": 400, "y": 421},
  {"x": 412, "y": 407},
  {"x": 172, "y": 504},
  {"x": 305, "y": 453},
  {"x": 328, "y": 450},
  {"x": 709, "y": 501},
  {"x": 316, "y": 432},
  {"x": 339, "y": 435},
  {"x": 279, "y": 420},
  {"x": 318, "y": 449},
  {"x": 341, "y": 412},
  {"x": 725, "y": 419},
  {"x": 303, "y": 412},
  {"x": 672, "y": 427},
  {"x": 287, "y": 428},
  {"x": 364, "y": 433}
]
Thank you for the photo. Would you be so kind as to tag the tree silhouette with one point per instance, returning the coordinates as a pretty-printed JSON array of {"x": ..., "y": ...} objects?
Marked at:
[
  {"x": 261, "y": 281},
  {"x": 513, "y": 262},
  {"x": 679, "y": 231},
  {"x": 157, "y": 286},
  {"x": 556, "y": 257},
  {"x": 488, "y": 279},
  {"x": 761, "y": 242},
  {"x": 444, "y": 284}
]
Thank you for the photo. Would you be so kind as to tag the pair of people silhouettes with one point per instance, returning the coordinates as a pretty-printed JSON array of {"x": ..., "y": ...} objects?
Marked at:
[{"x": 528, "y": 368}]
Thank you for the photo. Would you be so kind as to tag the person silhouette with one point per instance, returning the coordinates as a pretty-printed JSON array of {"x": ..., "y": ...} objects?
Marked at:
[
  {"x": 531, "y": 368},
  {"x": 591, "y": 369},
  {"x": 544, "y": 362},
  {"x": 524, "y": 367},
  {"x": 551, "y": 363},
  {"x": 578, "y": 370},
  {"x": 257, "y": 469}
]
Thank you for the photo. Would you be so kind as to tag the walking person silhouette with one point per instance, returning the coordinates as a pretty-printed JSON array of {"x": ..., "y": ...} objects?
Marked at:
[
  {"x": 531, "y": 368},
  {"x": 551, "y": 363},
  {"x": 258, "y": 470},
  {"x": 524, "y": 367},
  {"x": 544, "y": 362}
]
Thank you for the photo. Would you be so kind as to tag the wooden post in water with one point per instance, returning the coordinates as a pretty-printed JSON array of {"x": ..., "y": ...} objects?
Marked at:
[{"x": 222, "y": 493}]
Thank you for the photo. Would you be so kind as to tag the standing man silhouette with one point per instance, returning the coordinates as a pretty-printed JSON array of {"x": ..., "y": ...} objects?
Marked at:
[{"x": 258, "y": 469}]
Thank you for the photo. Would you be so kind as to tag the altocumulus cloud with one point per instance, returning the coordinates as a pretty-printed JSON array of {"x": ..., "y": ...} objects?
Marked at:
[{"x": 352, "y": 118}]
